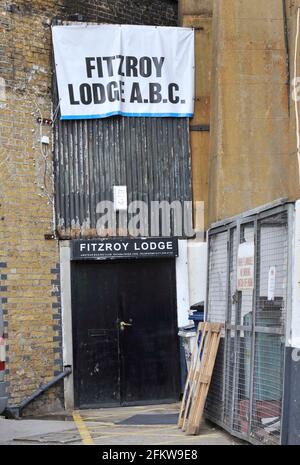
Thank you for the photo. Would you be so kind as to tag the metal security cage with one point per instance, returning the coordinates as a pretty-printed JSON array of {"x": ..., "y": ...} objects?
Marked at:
[{"x": 246, "y": 392}]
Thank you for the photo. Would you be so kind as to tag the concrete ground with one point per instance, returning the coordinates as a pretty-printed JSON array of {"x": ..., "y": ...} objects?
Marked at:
[{"x": 149, "y": 425}]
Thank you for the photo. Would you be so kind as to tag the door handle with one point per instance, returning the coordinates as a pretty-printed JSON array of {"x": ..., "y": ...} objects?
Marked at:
[{"x": 123, "y": 324}]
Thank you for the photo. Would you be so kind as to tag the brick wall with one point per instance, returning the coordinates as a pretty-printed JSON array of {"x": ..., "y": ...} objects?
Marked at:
[
  {"x": 29, "y": 264},
  {"x": 26, "y": 200},
  {"x": 154, "y": 12}
]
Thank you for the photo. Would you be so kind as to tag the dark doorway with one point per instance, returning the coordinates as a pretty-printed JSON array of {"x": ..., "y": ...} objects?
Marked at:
[{"x": 125, "y": 340}]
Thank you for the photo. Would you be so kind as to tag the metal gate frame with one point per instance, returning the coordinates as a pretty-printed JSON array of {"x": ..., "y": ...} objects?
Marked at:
[{"x": 228, "y": 226}]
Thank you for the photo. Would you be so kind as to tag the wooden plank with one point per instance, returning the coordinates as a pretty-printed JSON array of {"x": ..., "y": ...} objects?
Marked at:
[
  {"x": 193, "y": 391},
  {"x": 194, "y": 381},
  {"x": 199, "y": 377},
  {"x": 192, "y": 374},
  {"x": 204, "y": 379},
  {"x": 200, "y": 396},
  {"x": 199, "y": 404}
]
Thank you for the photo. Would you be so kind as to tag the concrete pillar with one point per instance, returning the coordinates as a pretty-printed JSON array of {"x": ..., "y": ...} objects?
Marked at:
[
  {"x": 291, "y": 10},
  {"x": 198, "y": 14},
  {"x": 250, "y": 162}
]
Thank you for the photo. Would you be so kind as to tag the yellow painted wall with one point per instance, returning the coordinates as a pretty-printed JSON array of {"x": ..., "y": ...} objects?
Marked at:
[
  {"x": 243, "y": 91},
  {"x": 291, "y": 16},
  {"x": 198, "y": 14},
  {"x": 250, "y": 159}
]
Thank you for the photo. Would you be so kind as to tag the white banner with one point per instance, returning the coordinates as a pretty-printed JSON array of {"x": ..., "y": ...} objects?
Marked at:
[{"x": 124, "y": 70}]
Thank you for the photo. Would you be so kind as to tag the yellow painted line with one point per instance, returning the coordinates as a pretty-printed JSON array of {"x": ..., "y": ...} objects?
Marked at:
[
  {"x": 83, "y": 431},
  {"x": 125, "y": 415},
  {"x": 99, "y": 423},
  {"x": 153, "y": 409},
  {"x": 124, "y": 427},
  {"x": 137, "y": 433},
  {"x": 192, "y": 439}
]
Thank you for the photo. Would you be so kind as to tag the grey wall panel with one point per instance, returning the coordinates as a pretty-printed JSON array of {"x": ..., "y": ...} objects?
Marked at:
[
  {"x": 291, "y": 406},
  {"x": 149, "y": 155}
]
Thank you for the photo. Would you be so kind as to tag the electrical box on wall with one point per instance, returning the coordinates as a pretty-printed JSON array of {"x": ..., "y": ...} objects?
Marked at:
[{"x": 45, "y": 140}]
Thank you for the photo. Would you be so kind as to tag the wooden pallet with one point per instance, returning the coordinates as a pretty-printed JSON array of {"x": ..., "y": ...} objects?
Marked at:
[{"x": 199, "y": 376}]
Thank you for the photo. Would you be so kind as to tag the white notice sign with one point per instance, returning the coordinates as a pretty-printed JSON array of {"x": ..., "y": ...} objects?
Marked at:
[
  {"x": 120, "y": 198},
  {"x": 105, "y": 70},
  {"x": 245, "y": 266},
  {"x": 271, "y": 283}
]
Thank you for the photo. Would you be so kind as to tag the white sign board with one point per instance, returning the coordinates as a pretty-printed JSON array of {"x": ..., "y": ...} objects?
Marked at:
[
  {"x": 271, "y": 282},
  {"x": 124, "y": 70},
  {"x": 120, "y": 198},
  {"x": 245, "y": 266}
]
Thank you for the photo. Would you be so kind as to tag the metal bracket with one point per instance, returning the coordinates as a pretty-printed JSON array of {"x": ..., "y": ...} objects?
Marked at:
[{"x": 200, "y": 127}]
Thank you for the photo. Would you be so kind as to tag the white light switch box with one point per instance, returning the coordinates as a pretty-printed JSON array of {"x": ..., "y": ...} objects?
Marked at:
[{"x": 120, "y": 198}]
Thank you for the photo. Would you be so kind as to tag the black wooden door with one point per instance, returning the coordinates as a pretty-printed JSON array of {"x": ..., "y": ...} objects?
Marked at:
[
  {"x": 149, "y": 360},
  {"x": 124, "y": 332},
  {"x": 95, "y": 334}
]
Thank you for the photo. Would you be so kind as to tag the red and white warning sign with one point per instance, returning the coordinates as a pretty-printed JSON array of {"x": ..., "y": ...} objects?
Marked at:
[
  {"x": 245, "y": 266},
  {"x": 2, "y": 353}
]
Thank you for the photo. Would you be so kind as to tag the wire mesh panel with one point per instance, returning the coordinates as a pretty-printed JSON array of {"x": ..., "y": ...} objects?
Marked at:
[
  {"x": 217, "y": 306},
  {"x": 267, "y": 389},
  {"x": 214, "y": 408},
  {"x": 243, "y": 344},
  {"x": 232, "y": 303},
  {"x": 270, "y": 316},
  {"x": 247, "y": 384},
  {"x": 218, "y": 278},
  {"x": 230, "y": 356},
  {"x": 230, "y": 361}
]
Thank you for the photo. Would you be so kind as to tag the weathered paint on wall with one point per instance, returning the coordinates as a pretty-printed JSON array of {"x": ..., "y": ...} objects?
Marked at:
[
  {"x": 291, "y": 8},
  {"x": 198, "y": 14},
  {"x": 194, "y": 7},
  {"x": 250, "y": 158}
]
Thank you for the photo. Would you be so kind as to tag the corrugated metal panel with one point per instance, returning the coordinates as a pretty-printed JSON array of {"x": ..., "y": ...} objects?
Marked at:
[{"x": 149, "y": 155}]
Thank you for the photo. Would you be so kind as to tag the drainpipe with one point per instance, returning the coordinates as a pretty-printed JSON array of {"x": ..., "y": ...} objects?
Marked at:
[
  {"x": 15, "y": 411},
  {"x": 287, "y": 50}
]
